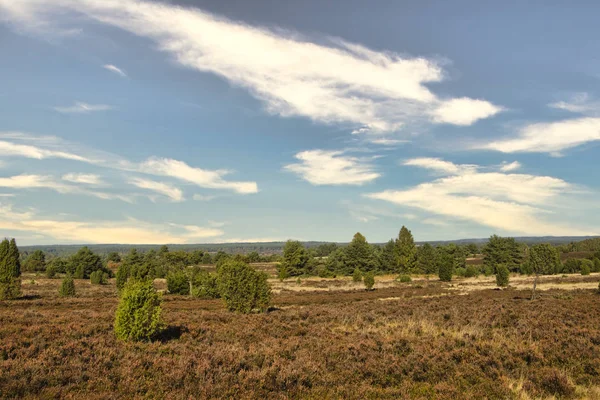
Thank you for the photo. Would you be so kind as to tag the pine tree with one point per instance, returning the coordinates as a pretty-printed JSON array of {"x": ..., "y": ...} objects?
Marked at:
[
  {"x": 426, "y": 259},
  {"x": 13, "y": 258},
  {"x": 406, "y": 251},
  {"x": 359, "y": 254},
  {"x": 387, "y": 257},
  {"x": 10, "y": 270}
]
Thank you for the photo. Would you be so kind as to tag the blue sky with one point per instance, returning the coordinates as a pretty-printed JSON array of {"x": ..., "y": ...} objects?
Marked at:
[{"x": 204, "y": 121}]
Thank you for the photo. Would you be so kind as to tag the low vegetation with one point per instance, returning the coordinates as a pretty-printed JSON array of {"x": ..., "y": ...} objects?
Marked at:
[{"x": 138, "y": 315}]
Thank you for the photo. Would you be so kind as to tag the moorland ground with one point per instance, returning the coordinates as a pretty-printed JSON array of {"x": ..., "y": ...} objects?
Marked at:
[{"x": 323, "y": 338}]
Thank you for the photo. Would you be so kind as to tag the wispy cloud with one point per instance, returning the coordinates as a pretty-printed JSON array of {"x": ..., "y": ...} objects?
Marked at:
[
  {"x": 170, "y": 191},
  {"x": 128, "y": 231},
  {"x": 176, "y": 169},
  {"x": 203, "y": 197},
  {"x": 508, "y": 167},
  {"x": 439, "y": 165},
  {"x": 515, "y": 203},
  {"x": 322, "y": 167},
  {"x": 343, "y": 83},
  {"x": 580, "y": 103},
  {"x": 82, "y": 108},
  {"x": 87, "y": 179},
  {"x": 551, "y": 137},
  {"x": 115, "y": 69}
]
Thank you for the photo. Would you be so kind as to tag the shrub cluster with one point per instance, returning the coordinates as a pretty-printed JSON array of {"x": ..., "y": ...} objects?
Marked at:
[
  {"x": 178, "y": 283},
  {"x": 242, "y": 288},
  {"x": 204, "y": 285},
  {"x": 99, "y": 278},
  {"x": 138, "y": 315}
]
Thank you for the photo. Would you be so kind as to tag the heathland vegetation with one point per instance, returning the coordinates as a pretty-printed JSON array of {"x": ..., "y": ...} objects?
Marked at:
[{"x": 360, "y": 320}]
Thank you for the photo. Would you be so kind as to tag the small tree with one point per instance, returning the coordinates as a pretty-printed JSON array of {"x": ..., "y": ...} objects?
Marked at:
[
  {"x": 138, "y": 315},
  {"x": 406, "y": 251},
  {"x": 586, "y": 267},
  {"x": 543, "y": 258},
  {"x": 10, "y": 270},
  {"x": 50, "y": 271},
  {"x": 204, "y": 285},
  {"x": 369, "y": 280},
  {"x": 282, "y": 272},
  {"x": 243, "y": 288},
  {"x": 445, "y": 262},
  {"x": 99, "y": 278},
  {"x": 122, "y": 276},
  {"x": 178, "y": 283},
  {"x": 67, "y": 287},
  {"x": 502, "y": 275},
  {"x": 83, "y": 263},
  {"x": 357, "y": 275},
  {"x": 596, "y": 267}
]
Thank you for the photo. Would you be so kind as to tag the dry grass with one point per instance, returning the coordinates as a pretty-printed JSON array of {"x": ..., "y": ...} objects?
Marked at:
[{"x": 426, "y": 342}]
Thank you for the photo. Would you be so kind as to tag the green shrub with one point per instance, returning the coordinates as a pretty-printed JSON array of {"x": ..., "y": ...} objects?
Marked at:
[
  {"x": 369, "y": 280},
  {"x": 404, "y": 278},
  {"x": 138, "y": 315},
  {"x": 50, "y": 271},
  {"x": 99, "y": 278},
  {"x": 122, "y": 276},
  {"x": 445, "y": 266},
  {"x": 204, "y": 285},
  {"x": 596, "y": 267},
  {"x": 526, "y": 269},
  {"x": 242, "y": 288},
  {"x": 502, "y": 275},
  {"x": 357, "y": 275},
  {"x": 10, "y": 289},
  {"x": 572, "y": 266},
  {"x": 488, "y": 270},
  {"x": 178, "y": 283},
  {"x": 471, "y": 271},
  {"x": 460, "y": 272},
  {"x": 585, "y": 269},
  {"x": 67, "y": 287},
  {"x": 282, "y": 272}
]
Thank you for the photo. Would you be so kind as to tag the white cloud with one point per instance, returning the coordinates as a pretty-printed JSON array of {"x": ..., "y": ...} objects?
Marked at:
[
  {"x": 580, "y": 103},
  {"x": 212, "y": 179},
  {"x": 464, "y": 111},
  {"x": 508, "y": 167},
  {"x": 86, "y": 179},
  {"x": 332, "y": 81},
  {"x": 388, "y": 141},
  {"x": 82, "y": 108},
  {"x": 321, "y": 167},
  {"x": 115, "y": 69},
  {"x": 203, "y": 197},
  {"x": 170, "y": 191},
  {"x": 551, "y": 137},
  {"x": 515, "y": 203},
  {"x": 32, "y": 181},
  {"x": 442, "y": 166},
  {"x": 129, "y": 231}
]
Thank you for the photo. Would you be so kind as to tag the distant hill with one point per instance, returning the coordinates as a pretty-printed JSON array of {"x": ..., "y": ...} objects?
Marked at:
[{"x": 581, "y": 243}]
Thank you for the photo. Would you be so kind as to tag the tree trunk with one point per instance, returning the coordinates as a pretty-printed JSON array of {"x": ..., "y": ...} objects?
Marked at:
[{"x": 534, "y": 286}]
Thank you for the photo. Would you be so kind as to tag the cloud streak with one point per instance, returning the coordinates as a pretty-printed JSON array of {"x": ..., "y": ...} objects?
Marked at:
[
  {"x": 115, "y": 69},
  {"x": 82, "y": 108},
  {"x": 170, "y": 191},
  {"x": 328, "y": 81}
]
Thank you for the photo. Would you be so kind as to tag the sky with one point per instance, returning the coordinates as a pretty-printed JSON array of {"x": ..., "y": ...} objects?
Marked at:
[{"x": 151, "y": 122}]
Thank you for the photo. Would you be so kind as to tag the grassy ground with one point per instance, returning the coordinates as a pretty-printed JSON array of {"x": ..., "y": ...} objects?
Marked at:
[{"x": 420, "y": 340}]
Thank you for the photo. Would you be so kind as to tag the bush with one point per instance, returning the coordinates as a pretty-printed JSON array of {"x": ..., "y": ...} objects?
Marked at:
[
  {"x": 585, "y": 269},
  {"x": 596, "y": 262},
  {"x": 502, "y": 275},
  {"x": 282, "y": 272},
  {"x": 10, "y": 289},
  {"x": 404, "y": 279},
  {"x": 122, "y": 276},
  {"x": 357, "y": 275},
  {"x": 243, "y": 288},
  {"x": 369, "y": 280},
  {"x": 99, "y": 278},
  {"x": 526, "y": 269},
  {"x": 67, "y": 287},
  {"x": 445, "y": 267},
  {"x": 488, "y": 270},
  {"x": 471, "y": 271},
  {"x": 572, "y": 266},
  {"x": 178, "y": 283},
  {"x": 50, "y": 271},
  {"x": 460, "y": 272},
  {"x": 138, "y": 315},
  {"x": 204, "y": 285}
]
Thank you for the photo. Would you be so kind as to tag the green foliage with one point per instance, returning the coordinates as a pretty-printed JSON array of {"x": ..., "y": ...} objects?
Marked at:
[
  {"x": 195, "y": 257},
  {"x": 113, "y": 257},
  {"x": 134, "y": 263},
  {"x": 204, "y": 285},
  {"x": 253, "y": 257},
  {"x": 544, "y": 259},
  {"x": 357, "y": 275},
  {"x": 406, "y": 251},
  {"x": 138, "y": 315},
  {"x": 387, "y": 257},
  {"x": 471, "y": 271},
  {"x": 426, "y": 259},
  {"x": 10, "y": 270},
  {"x": 122, "y": 276},
  {"x": 325, "y": 249},
  {"x": 50, "y": 271},
  {"x": 83, "y": 263},
  {"x": 178, "y": 283},
  {"x": 445, "y": 263},
  {"x": 207, "y": 259},
  {"x": 488, "y": 270},
  {"x": 67, "y": 287},
  {"x": 404, "y": 278},
  {"x": 359, "y": 254},
  {"x": 596, "y": 267},
  {"x": 525, "y": 268},
  {"x": 472, "y": 249},
  {"x": 59, "y": 264},
  {"x": 369, "y": 280},
  {"x": 99, "y": 278},
  {"x": 295, "y": 258},
  {"x": 242, "y": 288},
  {"x": 282, "y": 272},
  {"x": 502, "y": 250},
  {"x": 502, "y": 275},
  {"x": 585, "y": 269},
  {"x": 36, "y": 261},
  {"x": 460, "y": 271}
]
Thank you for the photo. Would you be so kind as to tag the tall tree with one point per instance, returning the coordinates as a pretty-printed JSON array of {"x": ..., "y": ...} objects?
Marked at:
[
  {"x": 544, "y": 259},
  {"x": 502, "y": 250},
  {"x": 36, "y": 261},
  {"x": 295, "y": 258},
  {"x": 10, "y": 270},
  {"x": 426, "y": 259},
  {"x": 135, "y": 265},
  {"x": 84, "y": 262},
  {"x": 387, "y": 257},
  {"x": 405, "y": 251},
  {"x": 359, "y": 254},
  {"x": 14, "y": 258}
]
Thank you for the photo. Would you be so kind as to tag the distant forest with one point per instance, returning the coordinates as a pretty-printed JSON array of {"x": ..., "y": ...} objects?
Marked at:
[{"x": 569, "y": 244}]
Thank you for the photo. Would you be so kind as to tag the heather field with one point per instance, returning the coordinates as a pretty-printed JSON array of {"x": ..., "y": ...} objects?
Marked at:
[{"x": 323, "y": 338}]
